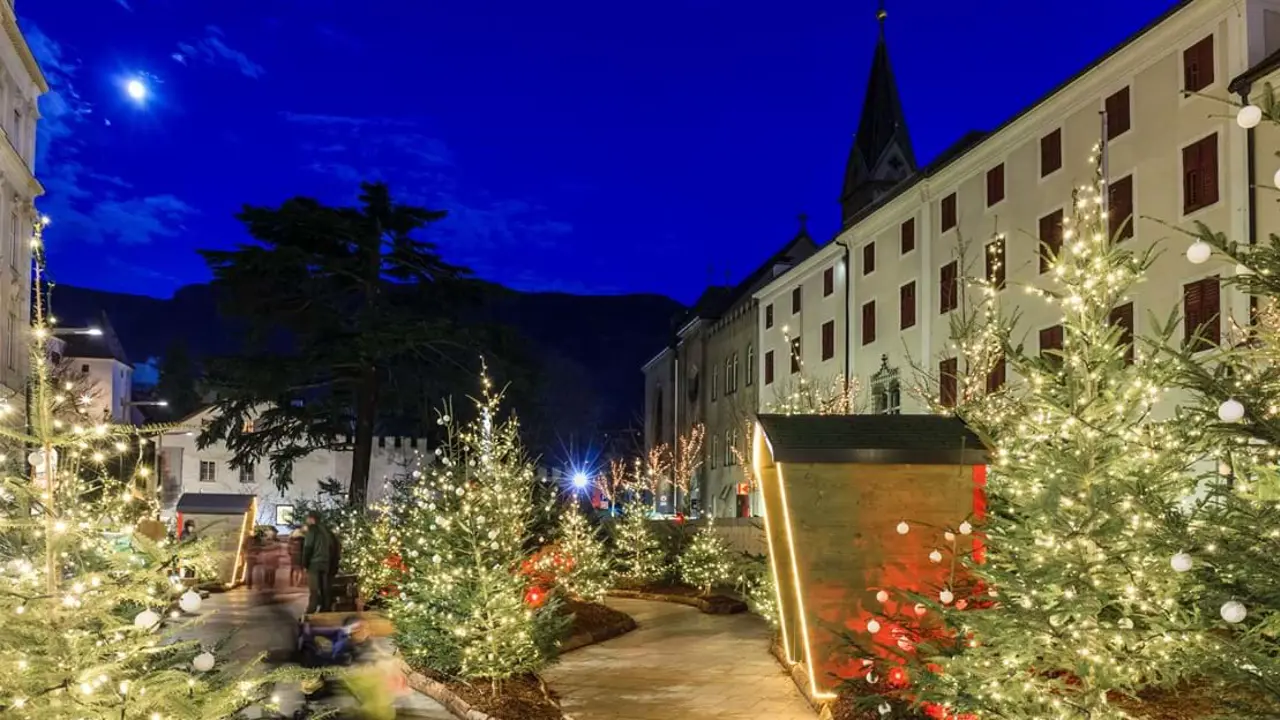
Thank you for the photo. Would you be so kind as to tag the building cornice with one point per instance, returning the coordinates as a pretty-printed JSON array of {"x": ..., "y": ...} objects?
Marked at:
[
  {"x": 11, "y": 29},
  {"x": 655, "y": 359}
]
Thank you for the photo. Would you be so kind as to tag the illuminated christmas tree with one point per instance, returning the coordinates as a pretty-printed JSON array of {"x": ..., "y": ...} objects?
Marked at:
[
  {"x": 588, "y": 574},
  {"x": 705, "y": 562},
  {"x": 465, "y": 610},
  {"x": 1075, "y": 604},
  {"x": 93, "y": 615},
  {"x": 638, "y": 551}
]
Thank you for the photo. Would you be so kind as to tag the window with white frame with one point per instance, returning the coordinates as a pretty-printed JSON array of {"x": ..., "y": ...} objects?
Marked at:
[
  {"x": 246, "y": 474},
  {"x": 208, "y": 471},
  {"x": 728, "y": 448},
  {"x": 14, "y": 234}
]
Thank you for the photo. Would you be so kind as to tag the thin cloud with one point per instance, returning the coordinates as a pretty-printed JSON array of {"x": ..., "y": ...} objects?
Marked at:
[{"x": 213, "y": 50}]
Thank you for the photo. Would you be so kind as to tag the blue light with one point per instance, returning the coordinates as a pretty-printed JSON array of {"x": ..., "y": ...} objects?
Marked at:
[{"x": 580, "y": 480}]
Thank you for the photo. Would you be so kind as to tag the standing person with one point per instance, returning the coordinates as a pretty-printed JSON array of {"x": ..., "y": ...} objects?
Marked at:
[
  {"x": 297, "y": 573},
  {"x": 270, "y": 559},
  {"x": 317, "y": 556}
]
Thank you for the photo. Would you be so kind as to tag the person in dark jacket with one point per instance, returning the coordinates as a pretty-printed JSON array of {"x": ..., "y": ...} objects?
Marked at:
[{"x": 317, "y": 557}]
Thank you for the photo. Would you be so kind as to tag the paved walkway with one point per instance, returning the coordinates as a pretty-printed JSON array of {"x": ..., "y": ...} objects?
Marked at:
[{"x": 679, "y": 663}]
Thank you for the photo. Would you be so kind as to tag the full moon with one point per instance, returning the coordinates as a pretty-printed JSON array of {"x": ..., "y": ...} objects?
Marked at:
[{"x": 136, "y": 89}]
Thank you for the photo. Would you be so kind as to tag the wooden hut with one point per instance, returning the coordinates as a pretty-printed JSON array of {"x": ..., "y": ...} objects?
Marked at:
[
  {"x": 837, "y": 491},
  {"x": 227, "y": 519}
]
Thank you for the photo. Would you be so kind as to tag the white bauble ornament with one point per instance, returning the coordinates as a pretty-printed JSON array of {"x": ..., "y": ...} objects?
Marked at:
[
  {"x": 146, "y": 620},
  {"x": 903, "y": 528},
  {"x": 882, "y": 596},
  {"x": 935, "y": 557},
  {"x": 946, "y": 597},
  {"x": 873, "y": 626},
  {"x": 965, "y": 528},
  {"x": 1199, "y": 252},
  {"x": 1230, "y": 411},
  {"x": 1181, "y": 562},
  {"x": 949, "y": 536},
  {"x": 1276, "y": 178},
  {"x": 1233, "y": 611},
  {"x": 885, "y": 708},
  {"x": 1249, "y": 116},
  {"x": 203, "y": 662},
  {"x": 921, "y": 609},
  {"x": 871, "y": 678},
  {"x": 190, "y": 601}
]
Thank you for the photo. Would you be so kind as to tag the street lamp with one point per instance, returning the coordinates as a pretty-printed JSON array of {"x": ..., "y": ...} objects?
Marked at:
[{"x": 90, "y": 331}]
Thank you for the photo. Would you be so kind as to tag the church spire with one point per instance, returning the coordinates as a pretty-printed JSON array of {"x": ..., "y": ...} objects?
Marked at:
[{"x": 881, "y": 155}]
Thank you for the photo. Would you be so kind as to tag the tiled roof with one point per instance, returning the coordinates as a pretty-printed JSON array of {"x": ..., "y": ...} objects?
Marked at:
[{"x": 892, "y": 439}]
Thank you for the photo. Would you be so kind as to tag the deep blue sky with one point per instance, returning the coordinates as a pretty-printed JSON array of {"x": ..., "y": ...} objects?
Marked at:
[{"x": 579, "y": 145}]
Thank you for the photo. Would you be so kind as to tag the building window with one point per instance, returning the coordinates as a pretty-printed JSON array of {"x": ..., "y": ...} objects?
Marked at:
[
  {"x": 996, "y": 378},
  {"x": 731, "y": 374},
  {"x": 828, "y": 339},
  {"x": 908, "y": 235},
  {"x": 948, "y": 212},
  {"x": 947, "y": 383},
  {"x": 795, "y": 301},
  {"x": 396, "y": 442},
  {"x": 728, "y": 448},
  {"x": 1050, "y": 239},
  {"x": 949, "y": 287},
  {"x": 13, "y": 240},
  {"x": 715, "y": 380},
  {"x": 795, "y": 355},
  {"x": 17, "y": 131},
  {"x": 768, "y": 316},
  {"x": 869, "y": 258},
  {"x": 1200, "y": 308},
  {"x": 828, "y": 281},
  {"x": 751, "y": 364},
  {"x": 1197, "y": 66},
  {"x": 1117, "y": 107},
  {"x": 907, "y": 305},
  {"x": 11, "y": 350},
  {"x": 995, "y": 185},
  {"x": 246, "y": 474},
  {"x": 995, "y": 263},
  {"x": 869, "y": 323},
  {"x": 413, "y": 443},
  {"x": 714, "y": 451},
  {"x": 886, "y": 391},
  {"x": 1120, "y": 208},
  {"x": 84, "y": 369},
  {"x": 1051, "y": 342},
  {"x": 208, "y": 471},
  {"x": 768, "y": 367},
  {"x": 1051, "y": 152},
  {"x": 284, "y": 515},
  {"x": 1122, "y": 317},
  {"x": 1200, "y": 174}
]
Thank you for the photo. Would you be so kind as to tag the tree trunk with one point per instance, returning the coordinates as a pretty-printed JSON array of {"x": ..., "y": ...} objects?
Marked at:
[{"x": 366, "y": 411}]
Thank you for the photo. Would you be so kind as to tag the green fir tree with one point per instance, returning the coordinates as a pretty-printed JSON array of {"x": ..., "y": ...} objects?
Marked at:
[
  {"x": 639, "y": 552},
  {"x": 589, "y": 574}
]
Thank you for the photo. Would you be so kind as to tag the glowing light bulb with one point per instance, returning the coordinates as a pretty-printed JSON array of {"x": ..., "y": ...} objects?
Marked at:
[{"x": 136, "y": 89}]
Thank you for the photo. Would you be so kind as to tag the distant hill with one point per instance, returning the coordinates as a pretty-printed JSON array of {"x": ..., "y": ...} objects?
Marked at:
[{"x": 589, "y": 348}]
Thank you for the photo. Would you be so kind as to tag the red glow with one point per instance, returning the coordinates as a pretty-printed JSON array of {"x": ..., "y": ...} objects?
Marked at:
[
  {"x": 979, "y": 509},
  {"x": 535, "y": 597}
]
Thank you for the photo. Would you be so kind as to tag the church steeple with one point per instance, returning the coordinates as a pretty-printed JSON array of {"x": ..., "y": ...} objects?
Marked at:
[{"x": 881, "y": 155}]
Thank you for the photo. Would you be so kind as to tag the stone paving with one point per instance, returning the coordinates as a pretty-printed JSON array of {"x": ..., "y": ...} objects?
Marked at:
[{"x": 679, "y": 663}]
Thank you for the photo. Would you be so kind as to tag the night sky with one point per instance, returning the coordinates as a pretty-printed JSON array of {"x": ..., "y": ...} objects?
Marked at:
[{"x": 578, "y": 146}]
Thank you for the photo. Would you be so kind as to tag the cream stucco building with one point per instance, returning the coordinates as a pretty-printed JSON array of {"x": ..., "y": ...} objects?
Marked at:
[
  {"x": 21, "y": 85},
  {"x": 875, "y": 303}
]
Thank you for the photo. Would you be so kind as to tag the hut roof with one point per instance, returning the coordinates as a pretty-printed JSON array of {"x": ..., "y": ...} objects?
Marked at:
[
  {"x": 872, "y": 439},
  {"x": 214, "y": 503}
]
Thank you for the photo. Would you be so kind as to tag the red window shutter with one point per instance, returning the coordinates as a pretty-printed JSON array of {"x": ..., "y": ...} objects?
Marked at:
[
  {"x": 1197, "y": 66},
  {"x": 1050, "y": 239},
  {"x": 795, "y": 300},
  {"x": 795, "y": 355},
  {"x": 768, "y": 367},
  {"x": 995, "y": 263},
  {"x": 1210, "y": 310},
  {"x": 947, "y": 383},
  {"x": 948, "y": 212},
  {"x": 869, "y": 258},
  {"x": 948, "y": 293},
  {"x": 768, "y": 315},
  {"x": 1117, "y": 106},
  {"x": 1050, "y": 152},
  {"x": 828, "y": 281},
  {"x": 996, "y": 378},
  {"x": 907, "y": 305},
  {"x": 869, "y": 323},
  {"x": 1200, "y": 174},
  {"x": 828, "y": 339},
  {"x": 995, "y": 185},
  {"x": 908, "y": 236},
  {"x": 1122, "y": 317},
  {"x": 1050, "y": 339},
  {"x": 1209, "y": 169},
  {"x": 1120, "y": 208}
]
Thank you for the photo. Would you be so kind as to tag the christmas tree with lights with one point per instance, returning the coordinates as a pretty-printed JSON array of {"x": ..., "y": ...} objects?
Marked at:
[
  {"x": 637, "y": 549},
  {"x": 588, "y": 571},
  {"x": 464, "y": 609},
  {"x": 1074, "y": 604},
  {"x": 94, "y": 616},
  {"x": 705, "y": 563}
]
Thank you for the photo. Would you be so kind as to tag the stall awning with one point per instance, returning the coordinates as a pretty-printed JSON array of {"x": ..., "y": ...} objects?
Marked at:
[
  {"x": 872, "y": 439},
  {"x": 214, "y": 503}
]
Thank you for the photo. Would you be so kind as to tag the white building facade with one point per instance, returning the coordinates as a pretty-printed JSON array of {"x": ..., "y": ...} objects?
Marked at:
[
  {"x": 1171, "y": 155},
  {"x": 21, "y": 85},
  {"x": 187, "y": 468}
]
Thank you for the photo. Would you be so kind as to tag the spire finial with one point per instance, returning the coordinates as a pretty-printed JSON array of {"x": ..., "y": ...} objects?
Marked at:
[{"x": 881, "y": 14}]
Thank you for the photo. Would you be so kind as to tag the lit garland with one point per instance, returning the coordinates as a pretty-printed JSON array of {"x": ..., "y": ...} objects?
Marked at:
[{"x": 90, "y": 603}]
